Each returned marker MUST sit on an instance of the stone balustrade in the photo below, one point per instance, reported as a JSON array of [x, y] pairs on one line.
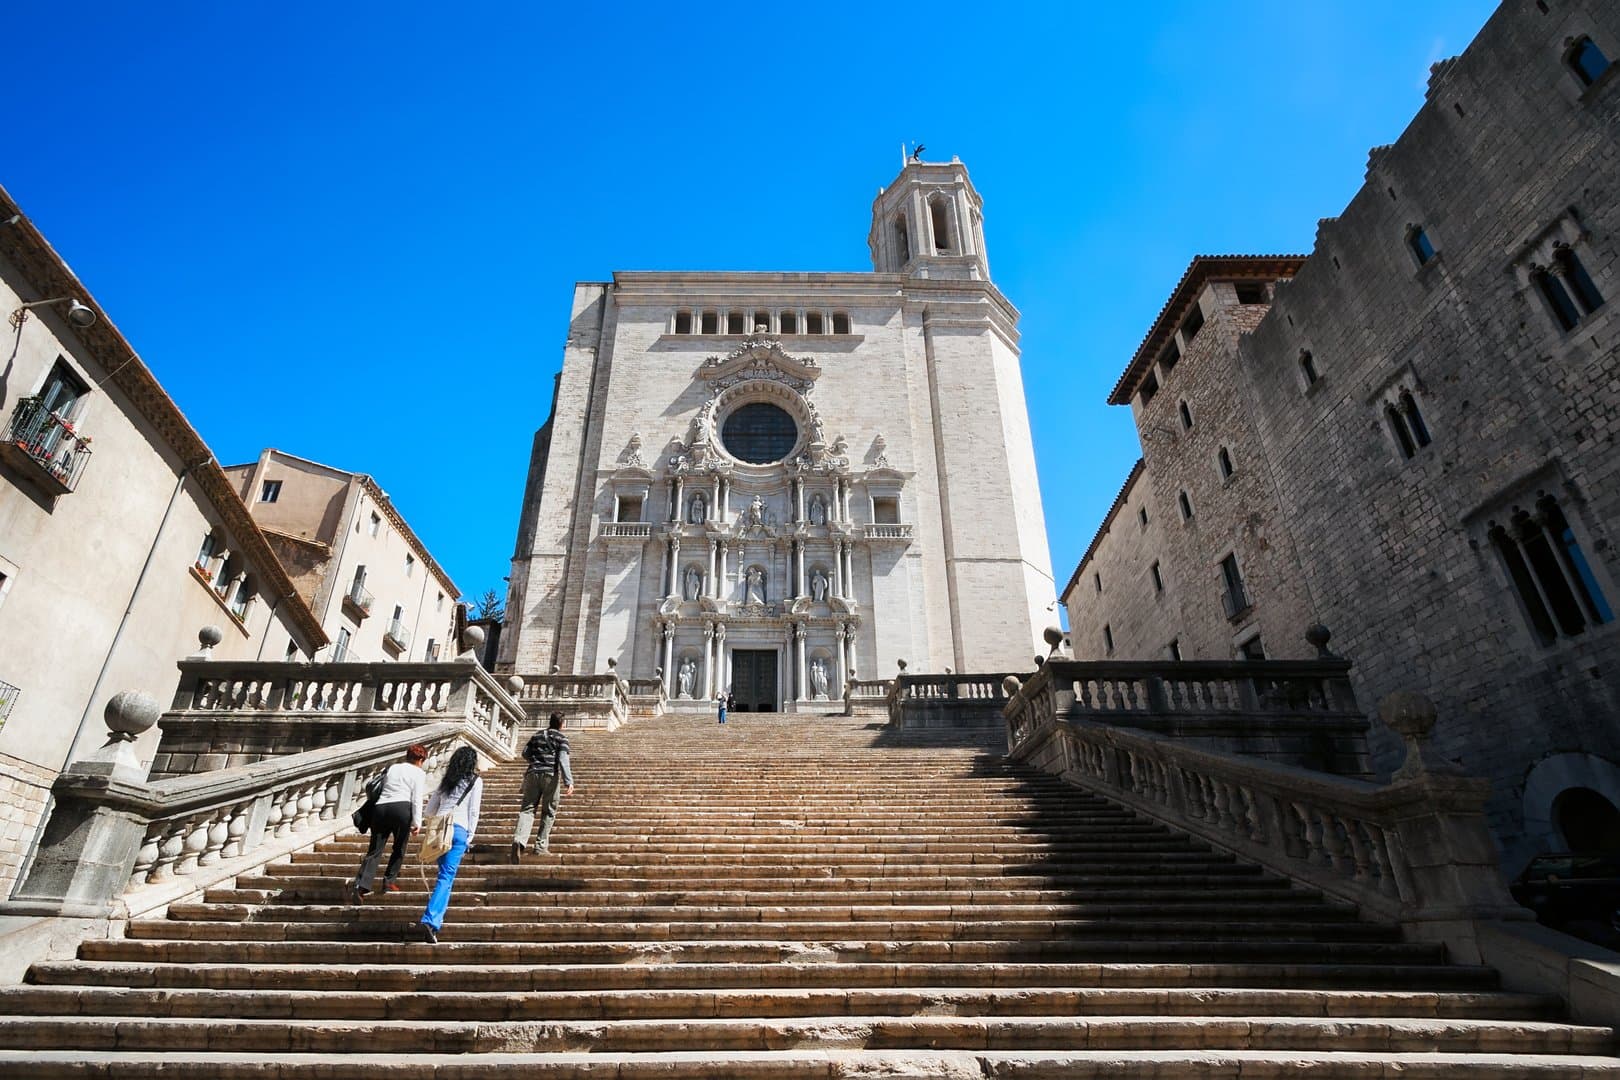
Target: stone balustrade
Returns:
[[626, 530], [874, 531], [585, 701], [949, 700], [648, 697], [1295, 712], [1416, 850], [872, 694], [228, 713]]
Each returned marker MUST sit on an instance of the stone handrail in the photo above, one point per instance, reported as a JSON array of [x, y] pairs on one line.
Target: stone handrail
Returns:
[[110, 833], [871, 692], [1416, 851], [887, 532], [950, 700], [436, 690], [1300, 712], [584, 700], [626, 530]]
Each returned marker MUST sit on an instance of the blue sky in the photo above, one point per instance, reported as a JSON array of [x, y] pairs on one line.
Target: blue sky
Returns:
[[351, 231]]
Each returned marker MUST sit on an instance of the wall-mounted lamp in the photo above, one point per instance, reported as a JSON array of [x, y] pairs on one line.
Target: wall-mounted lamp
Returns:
[[77, 313]]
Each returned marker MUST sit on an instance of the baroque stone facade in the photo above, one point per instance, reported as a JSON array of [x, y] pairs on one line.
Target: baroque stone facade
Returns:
[[1420, 423], [777, 482]]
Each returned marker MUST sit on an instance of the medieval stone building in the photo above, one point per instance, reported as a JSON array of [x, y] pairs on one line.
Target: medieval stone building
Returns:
[[1410, 436], [778, 482]]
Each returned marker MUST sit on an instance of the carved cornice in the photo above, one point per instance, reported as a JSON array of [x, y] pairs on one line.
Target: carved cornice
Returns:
[[760, 356]]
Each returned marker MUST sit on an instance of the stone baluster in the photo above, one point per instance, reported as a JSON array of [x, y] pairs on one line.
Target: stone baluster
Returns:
[[668, 630], [801, 684]]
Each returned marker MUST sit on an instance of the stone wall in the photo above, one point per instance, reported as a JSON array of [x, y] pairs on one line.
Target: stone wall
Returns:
[[1508, 157], [25, 789]]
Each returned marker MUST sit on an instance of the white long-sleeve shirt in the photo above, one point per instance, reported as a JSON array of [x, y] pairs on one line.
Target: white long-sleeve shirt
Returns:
[[466, 811], [404, 782]]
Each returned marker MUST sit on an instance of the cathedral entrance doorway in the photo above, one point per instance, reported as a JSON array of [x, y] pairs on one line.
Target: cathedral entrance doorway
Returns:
[[753, 680]]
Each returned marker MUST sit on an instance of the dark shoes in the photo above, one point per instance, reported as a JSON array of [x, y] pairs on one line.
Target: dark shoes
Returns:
[[517, 853], [430, 935], [357, 894]]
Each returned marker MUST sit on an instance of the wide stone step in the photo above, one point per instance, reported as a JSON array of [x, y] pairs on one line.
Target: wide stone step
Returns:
[[475, 945], [810, 971], [350, 1004], [565, 855], [609, 910], [819, 1065], [381, 1037]]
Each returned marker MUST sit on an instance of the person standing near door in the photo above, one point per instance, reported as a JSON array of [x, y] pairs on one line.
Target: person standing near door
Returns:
[[726, 702], [547, 754]]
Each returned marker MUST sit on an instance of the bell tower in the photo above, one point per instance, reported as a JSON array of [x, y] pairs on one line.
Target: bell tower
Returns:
[[929, 223]]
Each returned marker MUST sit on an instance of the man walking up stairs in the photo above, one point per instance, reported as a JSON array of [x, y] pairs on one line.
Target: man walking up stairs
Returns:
[[803, 898]]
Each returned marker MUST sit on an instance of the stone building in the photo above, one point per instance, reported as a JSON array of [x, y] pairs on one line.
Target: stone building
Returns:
[[368, 577], [1428, 408], [776, 482], [120, 536]]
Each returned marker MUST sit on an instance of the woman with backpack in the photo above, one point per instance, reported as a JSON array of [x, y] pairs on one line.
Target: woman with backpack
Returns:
[[458, 795], [396, 811]]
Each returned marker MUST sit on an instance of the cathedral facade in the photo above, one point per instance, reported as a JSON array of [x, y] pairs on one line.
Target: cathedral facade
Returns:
[[775, 483]]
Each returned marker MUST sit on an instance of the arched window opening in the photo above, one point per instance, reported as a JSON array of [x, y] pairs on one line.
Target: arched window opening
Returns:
[[1186, 417], [790, 322], [1418, 241], [1555, 585], [1586, 820], [1580, 282], [683, 322], [711, 322], [939, 217], [1414, 419], [1587, 61], [211, 546], [902, 241], [1186, 506], [1397, 428], [734, 323], [814, 323], [1558, 302], [1307, 367], [840, 323], [1224, 458], [246, 591], [762, 323]]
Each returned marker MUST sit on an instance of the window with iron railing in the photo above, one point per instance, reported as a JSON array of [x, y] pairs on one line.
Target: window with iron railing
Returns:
[[8, 701], [49, 442]]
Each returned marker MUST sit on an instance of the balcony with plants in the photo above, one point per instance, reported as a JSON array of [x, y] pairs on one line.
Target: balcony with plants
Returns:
[[44, 447]]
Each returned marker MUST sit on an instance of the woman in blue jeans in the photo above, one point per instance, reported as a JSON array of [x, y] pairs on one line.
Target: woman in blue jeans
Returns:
[[460, 793]]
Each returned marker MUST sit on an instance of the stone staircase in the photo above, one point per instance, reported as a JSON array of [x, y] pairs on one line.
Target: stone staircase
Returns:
[[788, 897]]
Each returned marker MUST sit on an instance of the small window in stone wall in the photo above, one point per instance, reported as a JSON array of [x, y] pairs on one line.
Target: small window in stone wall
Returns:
[[1547, 567], [1566, 288], [886, 511], [734, 323], [1108, 640], [629, 509], [840, 323], [1097, 578], [1171, 357], [1587, 61], [1307, 368], [814, 323], [1251, 292], [1251, 649], [1158, 578], [1141, 516], [1417, 240], [1404, 418], [1173, 650], [790, 322], [1186, 506], [1150, 386], [683, 322], [762, 322], [1193, 323], [1186, 417], [711, 322], [1224, 460]]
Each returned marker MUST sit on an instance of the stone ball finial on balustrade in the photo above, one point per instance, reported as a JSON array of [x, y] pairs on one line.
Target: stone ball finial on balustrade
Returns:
[[207, 638], [1053, 636], [612, 663], [1039, 660], [472, 638], [514, 685], [556, 669], [131, 713], [1011, 685], [901, 664], [1318, 636], [658, 672], [1411, 715]]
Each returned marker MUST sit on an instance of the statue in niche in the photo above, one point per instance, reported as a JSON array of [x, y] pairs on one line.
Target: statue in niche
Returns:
[[818, 585], [756, 511], [818, 678], [694, 583], [698, 509], [818, 509], [754, 586], [686, 677]]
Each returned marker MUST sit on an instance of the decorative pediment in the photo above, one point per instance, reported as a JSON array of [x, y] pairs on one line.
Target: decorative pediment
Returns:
[[760, 356]]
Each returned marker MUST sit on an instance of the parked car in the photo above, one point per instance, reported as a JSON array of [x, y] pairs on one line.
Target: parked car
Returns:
[[1576, 892]]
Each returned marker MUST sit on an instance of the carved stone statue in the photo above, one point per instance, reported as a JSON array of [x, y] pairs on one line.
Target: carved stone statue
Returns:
[[698, 509], [754, 586], [818, 586], [818, 509], [818, 433], [818, 678], [694, 583], [686, 677], [756, 511]]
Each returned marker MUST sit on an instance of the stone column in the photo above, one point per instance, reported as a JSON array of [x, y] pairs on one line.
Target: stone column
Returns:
[[714, 586], [798, 499], [804, 588], [674, 566], [721, 666], [669, 661], [714, 503], [838, 568], [722, 584], [803, 683], [675, 511], [836, 690], [706, 687], [663, 582], [723, 486], [849, 571]]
